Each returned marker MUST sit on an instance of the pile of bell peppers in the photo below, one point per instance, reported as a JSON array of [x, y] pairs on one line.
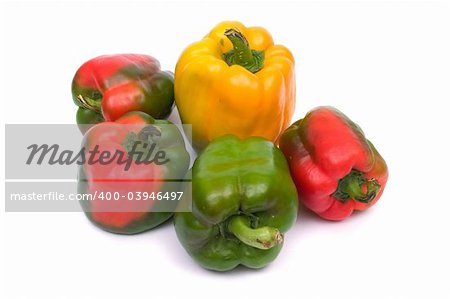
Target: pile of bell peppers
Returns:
[[236, 88]]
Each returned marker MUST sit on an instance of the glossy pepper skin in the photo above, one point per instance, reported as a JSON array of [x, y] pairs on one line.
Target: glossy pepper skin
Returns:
[[243, 200], [106, 87], [335, 168], [134, 216], [235, 81]]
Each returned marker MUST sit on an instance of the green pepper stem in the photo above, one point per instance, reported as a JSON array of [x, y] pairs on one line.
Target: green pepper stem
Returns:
[[88, 103], [241, 54], [262, 237], [351, 186]]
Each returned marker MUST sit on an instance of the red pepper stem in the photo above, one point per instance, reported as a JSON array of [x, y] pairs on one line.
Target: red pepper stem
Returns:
[[352, 186], [262, 237], [241, 54], [353, 189]]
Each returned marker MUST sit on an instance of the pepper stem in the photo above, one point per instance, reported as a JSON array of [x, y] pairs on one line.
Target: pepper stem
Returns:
[[262, 237], [351, 186], [241, 54], [89, 103]]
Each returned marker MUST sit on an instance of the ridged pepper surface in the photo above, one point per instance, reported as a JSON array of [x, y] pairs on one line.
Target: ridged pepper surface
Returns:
[[235, 81], [336, 169], [106, 87], [126, 199], [243, 201]]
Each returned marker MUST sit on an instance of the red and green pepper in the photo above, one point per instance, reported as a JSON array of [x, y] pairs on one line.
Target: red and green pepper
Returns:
[[336, 169], [106, 87], [108, 179]]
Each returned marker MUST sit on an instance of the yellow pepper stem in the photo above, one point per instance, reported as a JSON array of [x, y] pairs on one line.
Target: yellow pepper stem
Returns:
[[241, 54]]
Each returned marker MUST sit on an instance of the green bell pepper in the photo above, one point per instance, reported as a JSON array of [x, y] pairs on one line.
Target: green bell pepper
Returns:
[[243, 201]]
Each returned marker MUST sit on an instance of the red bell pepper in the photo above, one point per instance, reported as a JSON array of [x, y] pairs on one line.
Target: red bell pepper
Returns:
[[335, 168], [108, 86], [122, 186]]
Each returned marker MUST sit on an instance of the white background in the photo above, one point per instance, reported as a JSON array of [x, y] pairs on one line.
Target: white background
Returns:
[[384, 64]]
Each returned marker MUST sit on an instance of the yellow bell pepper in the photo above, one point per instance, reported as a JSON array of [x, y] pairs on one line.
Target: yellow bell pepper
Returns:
[[235, 81]]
